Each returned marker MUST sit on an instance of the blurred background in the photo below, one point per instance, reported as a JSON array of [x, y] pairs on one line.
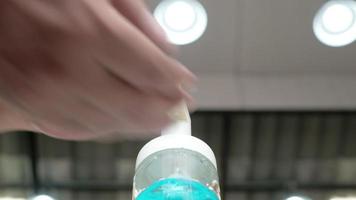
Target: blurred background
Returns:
[[277, 104]]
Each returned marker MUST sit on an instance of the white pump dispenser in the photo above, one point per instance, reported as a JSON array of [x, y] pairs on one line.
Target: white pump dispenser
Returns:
[[176, 165], [177, 135]]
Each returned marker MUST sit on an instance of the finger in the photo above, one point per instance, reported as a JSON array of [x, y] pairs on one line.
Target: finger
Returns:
[[164, 78], [137, 12], [115, 105], [133, 110], [133, 57]]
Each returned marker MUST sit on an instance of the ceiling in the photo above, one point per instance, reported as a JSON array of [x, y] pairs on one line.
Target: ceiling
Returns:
[[264, 55]]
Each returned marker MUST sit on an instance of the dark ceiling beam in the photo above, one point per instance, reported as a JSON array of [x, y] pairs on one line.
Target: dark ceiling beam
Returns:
[[225, 151]]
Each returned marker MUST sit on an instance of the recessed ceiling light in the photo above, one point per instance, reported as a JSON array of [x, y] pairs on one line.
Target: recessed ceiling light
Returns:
[[184, 21], [42, 197], [295, 198], [335, 23]]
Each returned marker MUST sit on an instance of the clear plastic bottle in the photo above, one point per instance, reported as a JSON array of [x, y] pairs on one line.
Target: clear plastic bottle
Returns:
[[176, 167]]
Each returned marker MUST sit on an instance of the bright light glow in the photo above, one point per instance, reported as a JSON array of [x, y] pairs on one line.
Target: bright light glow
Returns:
[[337, 18], [184, 21], [343, 198], [335, 23], [295, 198], [179, 16], [42, 197]]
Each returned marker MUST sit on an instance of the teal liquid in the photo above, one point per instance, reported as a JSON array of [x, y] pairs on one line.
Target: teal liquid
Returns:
[[177, 189]]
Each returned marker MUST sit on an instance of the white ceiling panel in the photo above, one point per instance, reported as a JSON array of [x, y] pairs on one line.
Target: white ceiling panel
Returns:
[[219, 91], [298, 91], [278, 35], [263, 55]]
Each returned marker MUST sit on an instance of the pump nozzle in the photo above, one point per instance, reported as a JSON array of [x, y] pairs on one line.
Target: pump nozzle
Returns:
[[181, 121], [177, 136]]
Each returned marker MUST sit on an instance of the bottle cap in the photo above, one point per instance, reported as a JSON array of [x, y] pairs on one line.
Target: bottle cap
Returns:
[[176, 141]]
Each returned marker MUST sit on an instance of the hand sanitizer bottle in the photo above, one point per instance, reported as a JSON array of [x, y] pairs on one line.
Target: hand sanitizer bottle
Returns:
[[176, 166]]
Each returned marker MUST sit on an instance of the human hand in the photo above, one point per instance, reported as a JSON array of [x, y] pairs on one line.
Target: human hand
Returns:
[[86, 68]]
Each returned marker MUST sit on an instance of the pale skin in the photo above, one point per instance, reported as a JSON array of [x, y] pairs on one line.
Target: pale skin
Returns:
[[85, 69]]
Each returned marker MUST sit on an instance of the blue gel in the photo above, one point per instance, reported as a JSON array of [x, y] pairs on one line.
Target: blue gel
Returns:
[[177, 189]]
